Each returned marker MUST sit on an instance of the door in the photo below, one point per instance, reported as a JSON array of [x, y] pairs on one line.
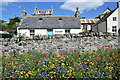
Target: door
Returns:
[[50, 32]]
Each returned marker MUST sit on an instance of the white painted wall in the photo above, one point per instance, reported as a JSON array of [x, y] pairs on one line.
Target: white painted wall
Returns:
[[110, 21], [76, 31], [119, 14], [23, 32], [40, 31], [58, 31], [44, 31], [89, 27]]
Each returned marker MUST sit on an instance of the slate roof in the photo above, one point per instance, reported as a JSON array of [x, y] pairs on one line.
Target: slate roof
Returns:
[[51, 22], [104, 18]]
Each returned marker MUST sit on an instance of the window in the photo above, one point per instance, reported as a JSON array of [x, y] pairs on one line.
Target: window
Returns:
[[114, 18], [49, 30], [67, 31], [58, 31], [60, 18], [114, 28], [40, 19], [32, 32]]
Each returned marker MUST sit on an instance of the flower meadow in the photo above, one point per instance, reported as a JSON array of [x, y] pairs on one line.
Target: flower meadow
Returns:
[[103, 63]]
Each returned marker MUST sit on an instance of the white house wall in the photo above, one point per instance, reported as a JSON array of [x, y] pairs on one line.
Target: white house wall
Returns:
[[119, 14], [58, 31], [110, 21], [89, 27], [23, 32], [76, 31], [45, 32], [40, 31]]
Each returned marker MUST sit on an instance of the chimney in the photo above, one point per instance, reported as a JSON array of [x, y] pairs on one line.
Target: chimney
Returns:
[[77, 13], [24, 13], [118, 4]]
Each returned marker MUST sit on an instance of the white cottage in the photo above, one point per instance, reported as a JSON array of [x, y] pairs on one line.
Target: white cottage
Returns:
[[109, 22], [41, 23]]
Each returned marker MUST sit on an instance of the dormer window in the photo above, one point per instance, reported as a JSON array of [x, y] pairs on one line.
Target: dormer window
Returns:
[[40, 19], [60, 18]]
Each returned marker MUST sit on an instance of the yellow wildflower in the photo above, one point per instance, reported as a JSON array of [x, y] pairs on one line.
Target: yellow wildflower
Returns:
[[27, 75], [51, 72], [54, 72], [63, 75]]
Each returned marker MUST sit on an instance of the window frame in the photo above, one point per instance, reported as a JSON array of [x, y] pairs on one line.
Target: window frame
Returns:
[[114, 18], [114, 28], [67, 30]]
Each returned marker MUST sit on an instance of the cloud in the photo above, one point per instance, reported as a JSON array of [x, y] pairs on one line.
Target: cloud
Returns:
[[83, 4], [3, 6], [17, 0]]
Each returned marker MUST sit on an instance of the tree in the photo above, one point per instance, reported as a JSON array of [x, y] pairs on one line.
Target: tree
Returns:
[[83, 17], [14, 20]]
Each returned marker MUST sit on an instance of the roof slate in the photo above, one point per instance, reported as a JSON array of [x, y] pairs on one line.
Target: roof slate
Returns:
[[51, 23]]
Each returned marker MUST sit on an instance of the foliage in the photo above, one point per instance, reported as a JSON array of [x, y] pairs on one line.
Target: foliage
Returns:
[[83, 17], [14, 20], [9, 27], [11, 24], [106, 33], [1, 21], [77, 64]]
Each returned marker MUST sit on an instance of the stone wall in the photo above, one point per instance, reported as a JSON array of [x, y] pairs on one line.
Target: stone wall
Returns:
[[59, 44]]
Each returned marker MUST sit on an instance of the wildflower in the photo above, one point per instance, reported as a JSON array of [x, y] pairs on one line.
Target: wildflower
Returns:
[[75, 50], [27, 75], [53, 56], [71, 50], [23, 50], [46, 77], [69, 67], [45, 56], [36, 62], [12, 62], [78, 64], [82, 51], [73, 61], [111, 58], [82, 59], [94, 50], [118, 52], [117, 58], [51, 72], [53, 66], [3, 51], [98, 58], [79, 55], [90, 45], [93, 61], [10, 54], [63, 75], [56, 73]]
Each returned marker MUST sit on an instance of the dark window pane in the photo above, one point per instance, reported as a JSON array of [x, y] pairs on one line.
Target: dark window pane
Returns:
[[60, 18], [40, 19], [114, 18]]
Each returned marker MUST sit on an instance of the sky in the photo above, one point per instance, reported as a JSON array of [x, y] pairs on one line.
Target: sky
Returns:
[[61, 8]]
